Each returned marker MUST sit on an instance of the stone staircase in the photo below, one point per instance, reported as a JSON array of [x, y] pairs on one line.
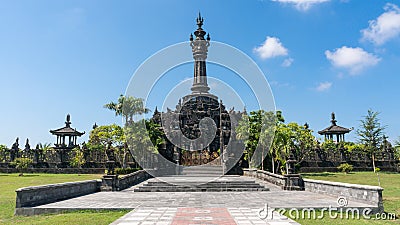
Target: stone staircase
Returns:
[[200, 184], [202, 171]]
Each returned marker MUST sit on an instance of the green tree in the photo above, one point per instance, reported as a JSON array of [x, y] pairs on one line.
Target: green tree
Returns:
[[127, 107], [269, 124], [22, 164], [370, 134], [44, 148], [78, 159], [281, 146], [290, 137], [107, 133], [397, 149], [276, 140], [114, 134], [248, 130], [353, 147], [117, 106], [139, 142], [3, 152], [257, 130], [155, 132], [303, 140]]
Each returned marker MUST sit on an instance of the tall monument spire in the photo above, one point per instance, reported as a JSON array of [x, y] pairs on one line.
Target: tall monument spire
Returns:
[[200, 48]]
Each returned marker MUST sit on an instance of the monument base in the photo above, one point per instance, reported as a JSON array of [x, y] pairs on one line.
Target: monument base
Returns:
[[109, 183], [293, 182]]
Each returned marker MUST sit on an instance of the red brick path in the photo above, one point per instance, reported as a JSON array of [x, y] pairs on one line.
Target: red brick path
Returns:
[[205, 216]]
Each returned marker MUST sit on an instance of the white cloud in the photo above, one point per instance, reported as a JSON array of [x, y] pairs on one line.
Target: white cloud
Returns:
[[353, 59], [324, 86], [302, 5], [287, 62], [385, 27], [279, 84], [272, 47]]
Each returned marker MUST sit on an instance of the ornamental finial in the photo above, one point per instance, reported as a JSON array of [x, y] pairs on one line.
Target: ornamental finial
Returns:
[[333, 121], [200, 20], [68, 122]]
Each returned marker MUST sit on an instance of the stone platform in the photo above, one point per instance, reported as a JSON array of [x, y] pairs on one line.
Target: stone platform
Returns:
[[200, 184], [198, 207]]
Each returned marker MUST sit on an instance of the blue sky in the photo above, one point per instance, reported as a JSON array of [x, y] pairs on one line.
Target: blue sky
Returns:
[[319, 56]]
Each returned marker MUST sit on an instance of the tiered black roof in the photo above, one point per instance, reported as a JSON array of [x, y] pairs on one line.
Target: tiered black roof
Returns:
[[67, 130], [334, 128]]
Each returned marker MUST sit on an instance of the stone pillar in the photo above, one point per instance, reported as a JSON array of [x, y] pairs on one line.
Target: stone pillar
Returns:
[[293, 181], [176, 158], [109, 183]]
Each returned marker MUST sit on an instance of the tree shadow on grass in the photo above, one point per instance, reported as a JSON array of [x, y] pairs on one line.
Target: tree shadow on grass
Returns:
[[30, 175], [319, 174]]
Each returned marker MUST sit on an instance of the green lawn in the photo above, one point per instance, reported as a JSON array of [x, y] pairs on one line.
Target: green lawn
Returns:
[[11, 182], [391, 195]]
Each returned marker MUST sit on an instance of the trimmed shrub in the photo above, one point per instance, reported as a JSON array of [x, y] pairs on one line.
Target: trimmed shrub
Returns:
[[22, 164], [345, 168]]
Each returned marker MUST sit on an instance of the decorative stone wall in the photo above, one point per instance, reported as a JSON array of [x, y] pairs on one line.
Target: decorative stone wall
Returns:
[[361, 193], [132, 179], [265, 175], [56, 170], [44, 194], [364, 193], [29, 197], [358, 165]]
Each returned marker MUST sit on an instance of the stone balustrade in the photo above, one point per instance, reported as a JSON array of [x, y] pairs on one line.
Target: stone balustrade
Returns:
[[132, 179], [44, 194], [361, 193]]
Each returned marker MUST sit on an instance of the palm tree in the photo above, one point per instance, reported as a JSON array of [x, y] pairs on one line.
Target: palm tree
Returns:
[[127, 107], [44, 148], [117, 106]]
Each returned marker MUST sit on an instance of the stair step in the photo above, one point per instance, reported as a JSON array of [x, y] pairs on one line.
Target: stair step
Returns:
[[198, 189], [200, 184]]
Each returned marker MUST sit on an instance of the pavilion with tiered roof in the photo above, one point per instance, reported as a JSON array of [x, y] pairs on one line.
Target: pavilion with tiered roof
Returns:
[[68, 133], [334, 130]]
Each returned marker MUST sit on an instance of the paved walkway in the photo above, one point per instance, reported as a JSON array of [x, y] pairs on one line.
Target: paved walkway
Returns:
[[186, 216], [201, 207]]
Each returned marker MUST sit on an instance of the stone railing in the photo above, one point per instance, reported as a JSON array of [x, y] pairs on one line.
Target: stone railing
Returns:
[[56, 170], [132, 179], [116, 183], [265, 175], [44, 194], [362, 193]]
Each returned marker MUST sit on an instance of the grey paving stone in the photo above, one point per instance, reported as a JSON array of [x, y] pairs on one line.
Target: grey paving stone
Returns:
[[160, 206]]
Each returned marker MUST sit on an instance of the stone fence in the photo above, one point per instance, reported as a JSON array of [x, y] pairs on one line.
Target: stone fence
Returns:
[[29, 197], [38, 195], [56, 170], [132, 179], [265, 175], [361, 193]]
